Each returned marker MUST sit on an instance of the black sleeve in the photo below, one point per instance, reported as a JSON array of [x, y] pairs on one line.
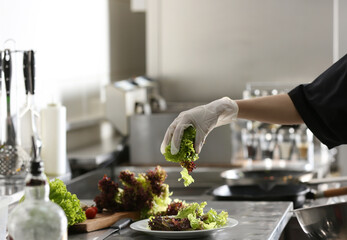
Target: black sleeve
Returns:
[[322, 104]]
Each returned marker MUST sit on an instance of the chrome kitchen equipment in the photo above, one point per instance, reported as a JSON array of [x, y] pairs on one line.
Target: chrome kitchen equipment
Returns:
[[29, 115], [298, 194], [324, 222], [14, 160], [269, 178], [269, 144], [156, 101], [10, 131], [9, 160], [147, 132], [265, 178], [124, 99]]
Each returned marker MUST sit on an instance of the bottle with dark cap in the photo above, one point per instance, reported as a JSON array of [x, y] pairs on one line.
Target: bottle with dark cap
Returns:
[[37, 217]]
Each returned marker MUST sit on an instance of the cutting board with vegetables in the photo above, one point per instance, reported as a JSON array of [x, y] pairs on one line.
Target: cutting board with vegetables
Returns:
[[102, 220]]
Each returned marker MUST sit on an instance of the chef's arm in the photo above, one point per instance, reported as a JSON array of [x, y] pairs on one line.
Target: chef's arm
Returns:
[[277, 109]]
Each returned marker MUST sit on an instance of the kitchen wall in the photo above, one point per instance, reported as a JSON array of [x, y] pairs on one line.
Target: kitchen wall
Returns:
[[342, 19], [80, 46], [342, 15], [202, 50], [71, 40], [127, 40], [199, 50]]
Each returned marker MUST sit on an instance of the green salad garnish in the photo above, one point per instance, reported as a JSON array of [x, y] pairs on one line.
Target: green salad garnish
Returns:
[[189, 217], [188, 179], [67, 201], [185, 156]]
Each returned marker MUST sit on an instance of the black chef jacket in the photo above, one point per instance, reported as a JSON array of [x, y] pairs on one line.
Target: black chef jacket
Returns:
[[322, 104]]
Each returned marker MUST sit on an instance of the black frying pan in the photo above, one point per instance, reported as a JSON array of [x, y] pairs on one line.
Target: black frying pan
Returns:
[[266, 178], [295, 193], [269, 178]]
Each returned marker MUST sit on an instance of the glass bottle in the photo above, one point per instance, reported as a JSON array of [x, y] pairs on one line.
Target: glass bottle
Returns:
[[286, 142], [37, 218]]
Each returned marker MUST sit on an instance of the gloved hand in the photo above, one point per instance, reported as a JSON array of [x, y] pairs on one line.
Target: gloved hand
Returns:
[[203, 118]]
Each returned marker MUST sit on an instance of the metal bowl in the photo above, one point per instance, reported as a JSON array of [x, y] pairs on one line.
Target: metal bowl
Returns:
[[324, 222]]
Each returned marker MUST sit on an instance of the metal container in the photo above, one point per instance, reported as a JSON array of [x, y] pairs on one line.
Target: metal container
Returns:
[[324, 222], [147, 132]]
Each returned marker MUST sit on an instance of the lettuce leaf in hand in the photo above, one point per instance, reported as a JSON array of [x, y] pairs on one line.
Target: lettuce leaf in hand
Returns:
[[185, 156]]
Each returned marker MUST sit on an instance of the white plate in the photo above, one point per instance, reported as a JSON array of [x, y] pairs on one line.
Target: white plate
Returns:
[[142, 226]]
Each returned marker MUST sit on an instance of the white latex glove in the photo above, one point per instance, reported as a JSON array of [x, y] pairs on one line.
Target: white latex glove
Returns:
[[203, 118]]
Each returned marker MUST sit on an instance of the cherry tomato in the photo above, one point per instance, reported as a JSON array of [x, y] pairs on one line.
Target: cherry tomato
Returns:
[[96, 209], [91, 213]]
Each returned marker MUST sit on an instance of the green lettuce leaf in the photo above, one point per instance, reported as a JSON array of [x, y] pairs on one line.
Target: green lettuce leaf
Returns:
[[195, 213], [197, 224], [192, 208], [187, 151], [185, 156], [160, 203], [67, 201], [187, 179], [222, 219]]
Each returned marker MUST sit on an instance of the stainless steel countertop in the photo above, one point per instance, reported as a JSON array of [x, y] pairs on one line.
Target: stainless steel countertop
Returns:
[[257, 221], [92, 156]]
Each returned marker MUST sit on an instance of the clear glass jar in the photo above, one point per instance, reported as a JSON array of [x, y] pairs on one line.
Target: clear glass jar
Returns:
[[37, 218]]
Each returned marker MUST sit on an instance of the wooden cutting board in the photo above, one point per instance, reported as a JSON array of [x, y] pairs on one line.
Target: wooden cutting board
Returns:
[[102, 220]]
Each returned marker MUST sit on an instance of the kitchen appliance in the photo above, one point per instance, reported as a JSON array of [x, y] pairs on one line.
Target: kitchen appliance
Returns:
[[147, 132], [124, 99], [293, 185], [272, 145], [156, 101], [298, 194], [266, 178], [325, 221]]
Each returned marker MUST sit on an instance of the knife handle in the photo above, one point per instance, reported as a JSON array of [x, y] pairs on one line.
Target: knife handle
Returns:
[[122, 223], [26, 71], [119, 225], [31, 71], [7, 70], [0, 68]]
